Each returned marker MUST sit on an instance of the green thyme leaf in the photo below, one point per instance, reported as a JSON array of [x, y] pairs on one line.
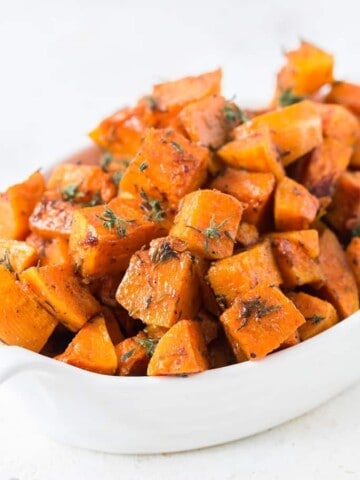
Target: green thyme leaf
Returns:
[[117, 176], [234, 114], [112, 221], [212, 232], [143, 166], [127, 355], [315, 319], [71, 192], [5, 260], [152, 207], [177, 147], [106, 160], [355, 232], [149, 344], [256, 308], [163, 253], [287, 97]]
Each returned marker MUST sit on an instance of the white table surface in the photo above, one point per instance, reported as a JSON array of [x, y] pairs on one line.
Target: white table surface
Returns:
[[63, 65]]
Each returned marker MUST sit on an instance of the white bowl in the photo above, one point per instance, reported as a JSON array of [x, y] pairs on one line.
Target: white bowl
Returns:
[[153, 415]]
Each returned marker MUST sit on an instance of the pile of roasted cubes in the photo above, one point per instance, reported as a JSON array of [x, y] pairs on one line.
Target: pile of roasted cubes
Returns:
[[195, 234]]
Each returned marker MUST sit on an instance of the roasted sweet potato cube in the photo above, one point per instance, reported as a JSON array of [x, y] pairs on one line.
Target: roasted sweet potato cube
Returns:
[[103, 238], [346, 94], [112, 325], [308, 68], [160, 286], [252, 189], [174, 95], [61, 292], [296, 254], [166, 167], [339, 287], [122, 132], [181, 351], [207, 294], [16, 255], [295, 208], [338, 123], [259, 321], [205, 121], [253, 149], [344, 210], [232, 276], [294, 339], [82, 184], [52, 217], [247, 234], [319, 314], [324, 167], [295, 130], [207, 221], [353, 257], [133, 358], [91, 349], [23, 321], [55, 252], [17, 204]]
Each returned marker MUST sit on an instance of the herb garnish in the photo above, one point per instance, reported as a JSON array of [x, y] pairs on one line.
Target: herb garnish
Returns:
[[149, 344], [152, 207], [95, 200], [71, 192], [287, 97], [111, 220], [255, 307], [213, 231], [163, 253], [5, 260], [355, 232], [117, 176], [233, 114], [143, 166], [315, 319], [151, 102], [105, 161], [127, 355], [177, 147]]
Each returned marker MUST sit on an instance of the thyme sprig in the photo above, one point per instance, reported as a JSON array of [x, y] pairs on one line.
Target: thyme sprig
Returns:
[[213, 231], [71, 193], [149, 344], [315, 319], [288, 97], [5, 260], [112, 221], [257, 308], [233, 114], [163, 253], [152, 207]]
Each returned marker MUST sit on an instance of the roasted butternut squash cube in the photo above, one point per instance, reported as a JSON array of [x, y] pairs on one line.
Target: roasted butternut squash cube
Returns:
[[307, 69], [319, 314], [166, 167], [16, 255], [339, 286], [174, 95], [353, 257], [160, 287], [181, 351], [344, 210], [294, 339], [91, 349], [232, 276], [61, 292], [52, 217], [133, 358], [295, 208], [103, 238], [338, 123], [122, 132], [16, 206], [345, 94], [207, 221], [253, 149], [296, 254], [295, 129], [205, 121], [325, 165], [23, 321], [82, 184], [247, 234], [253, 190], [259, 321]]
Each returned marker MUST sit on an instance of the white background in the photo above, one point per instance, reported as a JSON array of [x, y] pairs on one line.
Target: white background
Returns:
[[63, 65]]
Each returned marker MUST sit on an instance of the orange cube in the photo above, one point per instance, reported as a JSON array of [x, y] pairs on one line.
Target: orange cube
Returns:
[[253, 190], [295, 208], [166, 167], [338, 123], [103, 238], [181, 351], [207, 221], [259, 321], [92, 349], [346, 94], [16, 255], [160, 286], [17, 204], [133, 358], [253, 149], [295, 130], [232, 276]]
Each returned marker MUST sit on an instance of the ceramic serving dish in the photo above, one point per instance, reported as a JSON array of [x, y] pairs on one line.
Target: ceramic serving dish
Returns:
[[152, 415]]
